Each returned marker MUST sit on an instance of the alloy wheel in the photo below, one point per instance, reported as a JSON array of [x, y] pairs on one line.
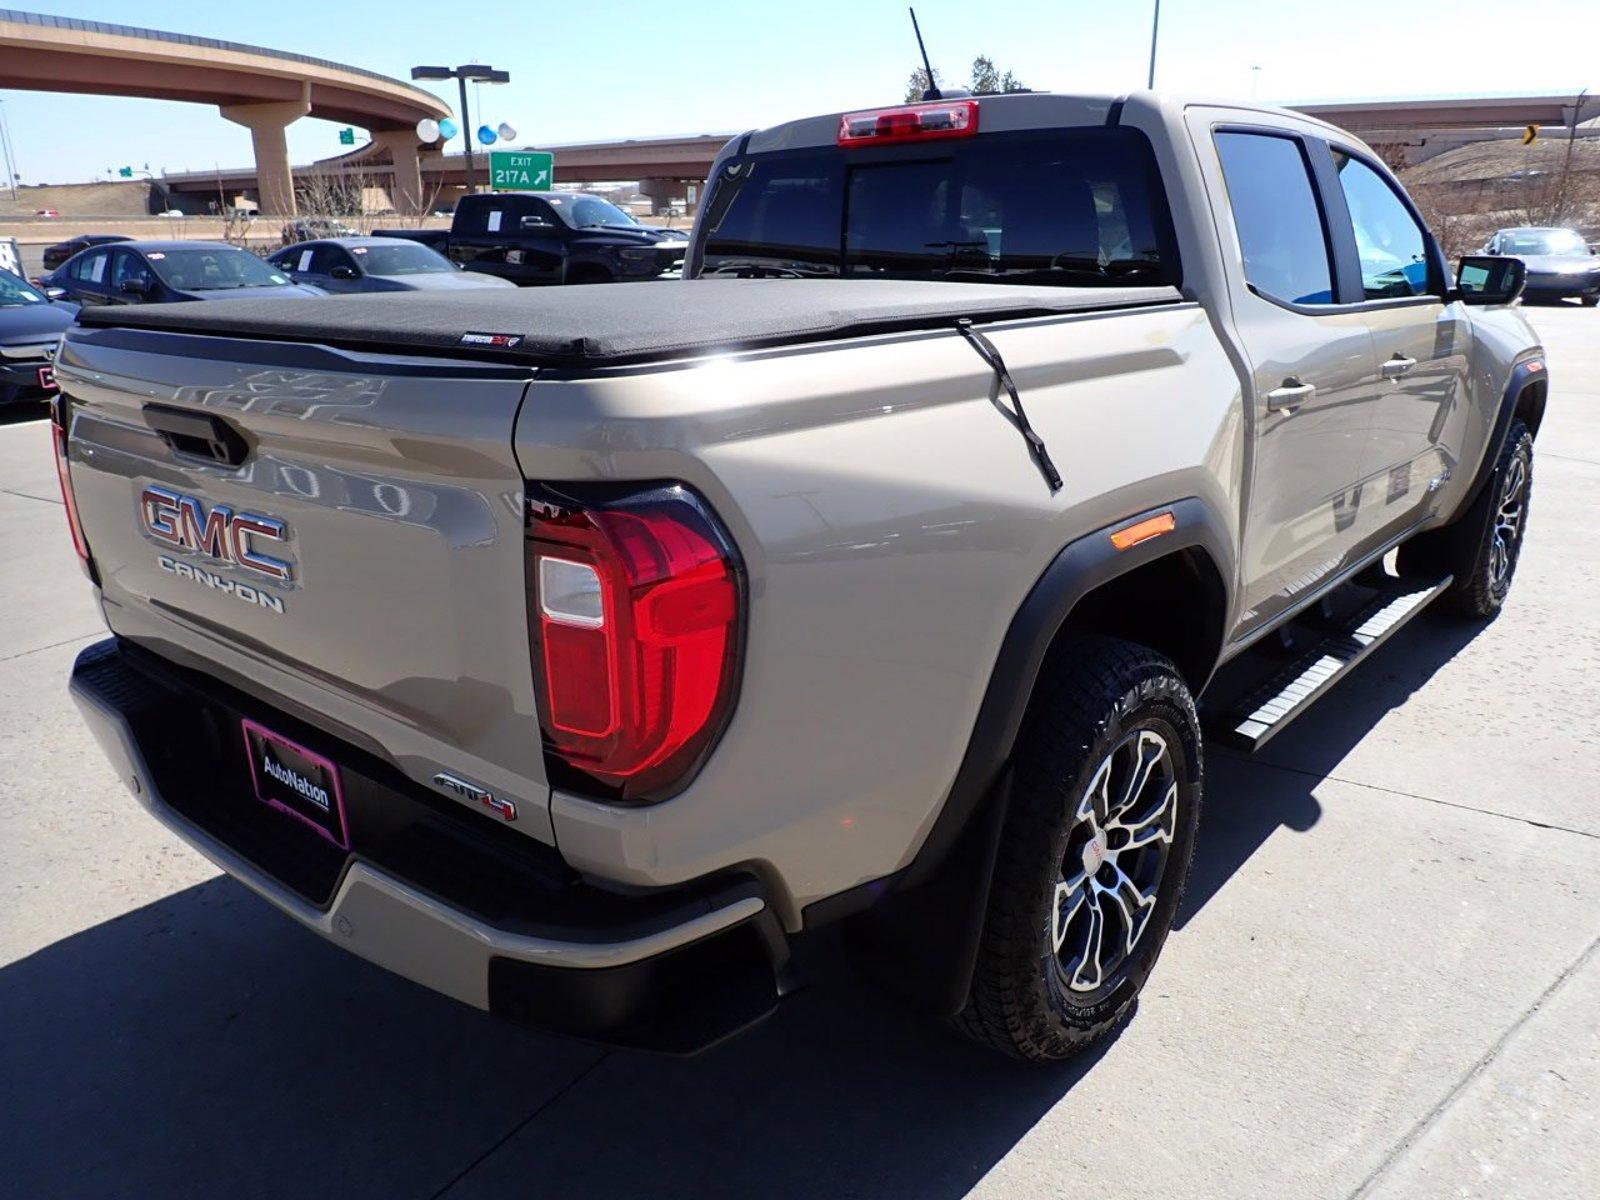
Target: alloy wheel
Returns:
[[1116, 856], [1508, 522]]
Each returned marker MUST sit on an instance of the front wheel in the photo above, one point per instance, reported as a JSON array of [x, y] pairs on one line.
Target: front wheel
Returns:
[[1094, 854], [1483, 548]]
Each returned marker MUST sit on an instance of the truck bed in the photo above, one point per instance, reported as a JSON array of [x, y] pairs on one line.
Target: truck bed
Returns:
[[622, 323]]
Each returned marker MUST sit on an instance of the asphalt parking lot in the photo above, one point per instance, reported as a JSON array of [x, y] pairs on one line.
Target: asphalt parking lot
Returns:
[[1386, 981]]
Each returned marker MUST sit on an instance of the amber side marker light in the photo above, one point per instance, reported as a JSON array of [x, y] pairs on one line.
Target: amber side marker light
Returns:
[[1143, 531]]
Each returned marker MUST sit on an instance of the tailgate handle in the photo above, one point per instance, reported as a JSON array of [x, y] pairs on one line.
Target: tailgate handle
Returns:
[[199, 435]]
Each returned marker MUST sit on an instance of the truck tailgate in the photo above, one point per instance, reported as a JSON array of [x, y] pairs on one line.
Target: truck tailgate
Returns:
[[339, 531]]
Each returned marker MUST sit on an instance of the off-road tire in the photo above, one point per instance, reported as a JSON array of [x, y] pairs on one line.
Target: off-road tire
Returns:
[[1094, 693], [1465, 548]]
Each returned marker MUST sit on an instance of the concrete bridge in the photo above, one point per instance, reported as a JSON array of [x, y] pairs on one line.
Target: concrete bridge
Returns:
[[263, 90]]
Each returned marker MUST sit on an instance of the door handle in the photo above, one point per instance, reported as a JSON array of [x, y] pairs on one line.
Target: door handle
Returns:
[[1290, 396], [1398, 366]]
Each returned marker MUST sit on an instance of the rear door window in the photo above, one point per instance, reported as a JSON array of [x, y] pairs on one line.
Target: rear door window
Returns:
[[1278, 217]]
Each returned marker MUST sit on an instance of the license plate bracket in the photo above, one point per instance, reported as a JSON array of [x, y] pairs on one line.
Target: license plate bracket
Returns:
[[296, 781]]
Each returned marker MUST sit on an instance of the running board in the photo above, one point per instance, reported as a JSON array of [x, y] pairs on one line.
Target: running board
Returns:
[[1259, 714]]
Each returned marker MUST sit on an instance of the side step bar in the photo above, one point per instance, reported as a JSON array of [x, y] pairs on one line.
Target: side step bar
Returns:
[[1258, 715]]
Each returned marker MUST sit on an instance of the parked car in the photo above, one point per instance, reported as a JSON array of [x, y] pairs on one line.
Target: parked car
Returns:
[[1561, 265], [164, 272], [376, 265], [55, 255], [30, 327], [308, 229], [549, 237], [574, 653]]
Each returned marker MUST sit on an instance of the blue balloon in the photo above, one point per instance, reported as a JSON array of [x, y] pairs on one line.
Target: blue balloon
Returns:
[[486, 136], [448, 129]]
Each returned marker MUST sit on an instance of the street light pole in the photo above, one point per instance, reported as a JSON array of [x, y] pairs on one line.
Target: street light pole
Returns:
[[466, 130], [475, 73]]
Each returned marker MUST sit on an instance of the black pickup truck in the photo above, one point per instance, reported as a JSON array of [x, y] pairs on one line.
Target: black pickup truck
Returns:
[[551, 237]]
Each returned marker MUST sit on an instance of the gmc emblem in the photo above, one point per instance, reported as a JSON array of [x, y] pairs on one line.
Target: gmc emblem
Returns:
[[220, 534]]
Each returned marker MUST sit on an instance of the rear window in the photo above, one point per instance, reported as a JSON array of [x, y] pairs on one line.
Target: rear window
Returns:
[[1070, 207]]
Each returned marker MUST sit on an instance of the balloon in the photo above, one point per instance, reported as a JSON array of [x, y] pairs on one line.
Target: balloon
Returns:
[[486, 135], [506, 132], [427, 130], [448, 129]]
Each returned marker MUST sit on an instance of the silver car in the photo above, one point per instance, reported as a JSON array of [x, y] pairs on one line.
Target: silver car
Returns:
[[1560, 264], [372, 264]]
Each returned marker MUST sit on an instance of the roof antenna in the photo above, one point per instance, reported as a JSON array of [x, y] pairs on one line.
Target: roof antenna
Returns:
[[932, 90]]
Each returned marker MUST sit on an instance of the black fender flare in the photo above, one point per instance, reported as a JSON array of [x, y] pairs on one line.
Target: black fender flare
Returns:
[[917, 931], [1529, 370]]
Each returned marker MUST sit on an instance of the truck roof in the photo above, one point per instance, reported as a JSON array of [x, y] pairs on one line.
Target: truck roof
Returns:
[[623, 322]]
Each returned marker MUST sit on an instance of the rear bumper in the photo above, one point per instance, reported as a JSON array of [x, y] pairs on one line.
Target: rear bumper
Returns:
[[479, 916]]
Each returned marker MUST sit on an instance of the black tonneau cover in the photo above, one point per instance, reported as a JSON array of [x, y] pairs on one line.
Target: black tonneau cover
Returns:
[[619, 323]]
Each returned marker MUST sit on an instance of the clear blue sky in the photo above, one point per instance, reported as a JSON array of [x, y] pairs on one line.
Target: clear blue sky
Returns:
[[612, 68]]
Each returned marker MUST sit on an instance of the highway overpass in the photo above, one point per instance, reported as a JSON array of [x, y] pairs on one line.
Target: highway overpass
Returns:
[[1414, 128], [263, 90]]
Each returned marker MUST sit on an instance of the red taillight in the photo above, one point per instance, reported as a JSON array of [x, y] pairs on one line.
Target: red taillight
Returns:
[[635, 607], [58, 439], [909, 123]]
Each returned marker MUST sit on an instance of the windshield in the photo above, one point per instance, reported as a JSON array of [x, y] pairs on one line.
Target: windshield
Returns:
[[1542, 241], [586, 211], [15, 292], [402, 258], [1077, 208], [213, 268]]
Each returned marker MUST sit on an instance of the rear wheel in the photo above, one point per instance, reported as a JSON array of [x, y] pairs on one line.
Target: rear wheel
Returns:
[[1095, 852]]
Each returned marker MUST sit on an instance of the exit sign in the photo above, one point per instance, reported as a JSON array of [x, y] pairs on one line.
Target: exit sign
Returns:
[[347, 137], [521, 170]]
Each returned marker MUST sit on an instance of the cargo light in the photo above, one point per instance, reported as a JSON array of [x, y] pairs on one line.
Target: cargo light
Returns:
[[636, 613], [909, 123], [59, 425]]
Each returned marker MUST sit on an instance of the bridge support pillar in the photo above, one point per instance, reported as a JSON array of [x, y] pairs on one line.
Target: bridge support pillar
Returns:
[[406, 191], [266, 123]]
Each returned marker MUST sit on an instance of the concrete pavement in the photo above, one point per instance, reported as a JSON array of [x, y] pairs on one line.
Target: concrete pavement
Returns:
[[1386, 981]]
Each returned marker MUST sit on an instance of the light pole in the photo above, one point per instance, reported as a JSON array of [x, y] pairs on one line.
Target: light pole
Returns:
[[477, 73], [10, 157]]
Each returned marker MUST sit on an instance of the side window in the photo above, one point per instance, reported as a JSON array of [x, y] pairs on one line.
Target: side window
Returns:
[[1391, 245], [91, 268], [129, 266], [330, 257], [1277, 215]]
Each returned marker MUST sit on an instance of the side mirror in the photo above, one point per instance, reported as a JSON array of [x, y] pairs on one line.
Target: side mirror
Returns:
[[134, 287], [343, 273], [1490, 279], [55, 293], [536, 223]]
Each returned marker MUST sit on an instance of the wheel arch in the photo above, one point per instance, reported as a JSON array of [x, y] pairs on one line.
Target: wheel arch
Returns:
[[918, 933]]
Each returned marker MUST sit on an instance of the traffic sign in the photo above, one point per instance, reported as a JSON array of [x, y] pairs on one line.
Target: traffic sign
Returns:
[[125, 172], [521, 170], [347, 136]]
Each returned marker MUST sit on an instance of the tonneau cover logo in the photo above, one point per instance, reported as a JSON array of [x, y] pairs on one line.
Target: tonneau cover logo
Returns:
[[497, 341]]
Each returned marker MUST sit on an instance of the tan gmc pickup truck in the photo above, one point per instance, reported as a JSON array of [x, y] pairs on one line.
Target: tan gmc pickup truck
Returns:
[[575, 652]]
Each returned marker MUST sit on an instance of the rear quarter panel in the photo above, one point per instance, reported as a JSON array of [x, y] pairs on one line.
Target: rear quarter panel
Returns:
[[892, 522]]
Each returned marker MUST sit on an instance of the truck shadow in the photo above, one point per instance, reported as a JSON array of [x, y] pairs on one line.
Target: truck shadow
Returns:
[[206, 1045]]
